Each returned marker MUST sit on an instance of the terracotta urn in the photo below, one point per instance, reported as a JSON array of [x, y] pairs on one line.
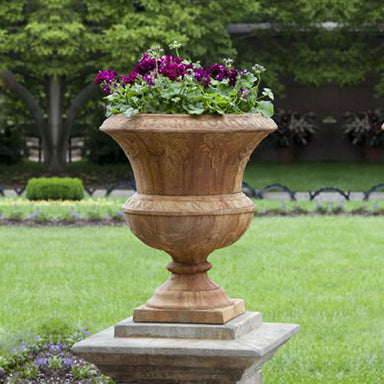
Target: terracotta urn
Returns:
[[188, 172]]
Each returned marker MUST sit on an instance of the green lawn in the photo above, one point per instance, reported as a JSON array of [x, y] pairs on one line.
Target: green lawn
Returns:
[[304, 176], [299, 176], [324, 273]]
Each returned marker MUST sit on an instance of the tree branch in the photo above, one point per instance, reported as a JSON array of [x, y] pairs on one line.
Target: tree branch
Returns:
[[76, 106], [10, 81]]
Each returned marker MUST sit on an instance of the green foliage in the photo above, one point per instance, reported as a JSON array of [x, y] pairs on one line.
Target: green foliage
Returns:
[[294, 128], [316, 42], [364, 128], [99, 148], [188, 96], [13, 127], [55, 188]]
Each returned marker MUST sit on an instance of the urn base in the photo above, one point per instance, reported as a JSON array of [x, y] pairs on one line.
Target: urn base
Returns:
[[145, 313]]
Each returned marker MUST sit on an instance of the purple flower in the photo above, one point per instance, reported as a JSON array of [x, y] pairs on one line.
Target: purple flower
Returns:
[[145, 65], [87, 333], [34, 214], [130, 79], [42, 361], [120, 213], [173, 67], [202, 77], [107, 76], [67, 361], [243, 93], [233, 77], [76, 215], [219, 72], [107, 90], [148, 79]]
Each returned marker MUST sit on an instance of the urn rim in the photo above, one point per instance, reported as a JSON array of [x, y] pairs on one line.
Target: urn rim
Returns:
[[208, 123]]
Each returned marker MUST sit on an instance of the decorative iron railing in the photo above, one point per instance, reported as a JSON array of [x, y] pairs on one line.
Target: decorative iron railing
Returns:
[[247, 189]]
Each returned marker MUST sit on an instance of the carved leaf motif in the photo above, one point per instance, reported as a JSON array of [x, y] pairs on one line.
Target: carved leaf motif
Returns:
[[245, 153], [171, 152], [217, 147], [131, 147]]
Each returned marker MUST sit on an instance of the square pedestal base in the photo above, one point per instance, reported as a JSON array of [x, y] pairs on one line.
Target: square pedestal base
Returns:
[[143, 356], [209, 316]]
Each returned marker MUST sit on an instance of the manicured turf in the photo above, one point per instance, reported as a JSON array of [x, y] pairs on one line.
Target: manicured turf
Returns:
[[304, 176], [324, 273], [299, 176]]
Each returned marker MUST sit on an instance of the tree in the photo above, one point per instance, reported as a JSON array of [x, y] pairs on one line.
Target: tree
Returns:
[[339, 41], [51, 49]]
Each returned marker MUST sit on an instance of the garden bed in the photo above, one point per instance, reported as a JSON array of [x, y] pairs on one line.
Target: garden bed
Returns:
[[49, 360]]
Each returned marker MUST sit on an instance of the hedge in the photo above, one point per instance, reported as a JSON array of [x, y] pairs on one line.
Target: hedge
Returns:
[[55, 188]]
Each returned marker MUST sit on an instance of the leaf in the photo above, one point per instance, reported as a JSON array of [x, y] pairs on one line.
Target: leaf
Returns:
[[267, 92], [129, 112], [195, 108], [265, 108]]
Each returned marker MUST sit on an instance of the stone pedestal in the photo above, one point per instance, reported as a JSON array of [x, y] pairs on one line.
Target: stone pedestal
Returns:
[[164, 353]]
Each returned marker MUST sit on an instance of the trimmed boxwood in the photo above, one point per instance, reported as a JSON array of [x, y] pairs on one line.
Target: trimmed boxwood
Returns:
[[55, 188]]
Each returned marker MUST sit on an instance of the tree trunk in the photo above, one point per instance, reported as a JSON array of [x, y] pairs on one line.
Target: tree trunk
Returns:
[[33, 105], [54, 131], [55, 159]]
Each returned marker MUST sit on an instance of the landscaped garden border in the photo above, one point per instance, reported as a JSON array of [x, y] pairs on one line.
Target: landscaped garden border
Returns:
[[107, 211]]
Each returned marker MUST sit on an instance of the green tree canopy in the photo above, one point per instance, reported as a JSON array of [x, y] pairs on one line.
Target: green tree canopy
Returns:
[[337, 41], [50, 50]]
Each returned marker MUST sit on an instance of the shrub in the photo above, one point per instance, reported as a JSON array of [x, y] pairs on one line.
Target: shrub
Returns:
[[364, 128], [294, 128], [55, 188]]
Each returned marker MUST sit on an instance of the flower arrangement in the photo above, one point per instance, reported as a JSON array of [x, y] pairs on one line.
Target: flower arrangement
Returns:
[[294, 128], [364, 128], [170, 84]]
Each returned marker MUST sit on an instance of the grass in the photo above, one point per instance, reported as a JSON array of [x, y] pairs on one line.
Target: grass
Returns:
[[299, 176], [324, 273], [304, 176]]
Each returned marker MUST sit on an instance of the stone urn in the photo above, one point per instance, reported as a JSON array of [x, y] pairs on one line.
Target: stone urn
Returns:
[[188, 172]]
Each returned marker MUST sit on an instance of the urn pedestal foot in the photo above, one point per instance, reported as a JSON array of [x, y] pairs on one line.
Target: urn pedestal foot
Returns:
[[161, 353], [145, 313]]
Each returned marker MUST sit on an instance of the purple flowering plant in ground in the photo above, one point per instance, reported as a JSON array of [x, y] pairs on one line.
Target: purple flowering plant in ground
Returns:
[[49, 360], [170, 84]]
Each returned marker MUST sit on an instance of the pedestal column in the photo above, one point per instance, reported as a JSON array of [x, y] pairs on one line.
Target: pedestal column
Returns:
[[163, 353]]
